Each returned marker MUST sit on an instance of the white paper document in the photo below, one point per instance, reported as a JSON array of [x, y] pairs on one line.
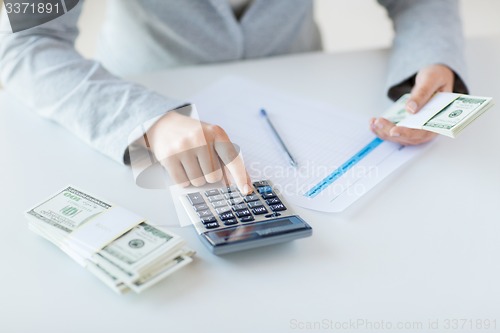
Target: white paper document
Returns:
[[339, 158]]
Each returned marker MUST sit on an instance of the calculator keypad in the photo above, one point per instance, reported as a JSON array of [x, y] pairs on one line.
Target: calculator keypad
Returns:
[[247, 219], [243, 213], [219, 203], [268, 195], [209, 219], [239, 207], [212, 225], [273, 201], [204, 213], [218, 197], [200, 207], [222, 210], [278, 207], [251, 197], [254, 204], [228, 207], [259, 210], [229, 189], [235, 201], [226, 216], [209, 193], [195, 198]]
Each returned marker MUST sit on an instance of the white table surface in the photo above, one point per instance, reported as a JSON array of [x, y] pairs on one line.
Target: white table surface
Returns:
[[423, 245]]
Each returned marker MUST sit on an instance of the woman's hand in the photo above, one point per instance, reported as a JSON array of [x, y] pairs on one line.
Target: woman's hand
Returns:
[[193, 151], [430, 80]]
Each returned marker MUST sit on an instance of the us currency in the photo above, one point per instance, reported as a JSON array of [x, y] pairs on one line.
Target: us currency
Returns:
[[138, 251], [450, 120], [145, 281], [136, 260], [458, 115]]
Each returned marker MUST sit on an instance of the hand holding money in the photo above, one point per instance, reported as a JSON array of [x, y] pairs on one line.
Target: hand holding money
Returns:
[[445, 114], [138, 255]]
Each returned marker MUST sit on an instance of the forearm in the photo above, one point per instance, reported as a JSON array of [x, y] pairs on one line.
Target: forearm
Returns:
[[428, 32], [42, 69]]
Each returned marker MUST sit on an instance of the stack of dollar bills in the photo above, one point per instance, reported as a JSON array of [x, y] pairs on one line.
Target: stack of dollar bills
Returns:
[[136, 258], [446, 113]]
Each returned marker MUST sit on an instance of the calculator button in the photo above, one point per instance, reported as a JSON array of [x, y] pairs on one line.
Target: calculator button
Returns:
[[195, 198], [273, 201], [212, 225], [273, 215], [229, 189], [261, 183], [222, 210], [264, 189], [200, 207], [277, 207], [247, 218], [204, 213], [243, 212], [254, 204], [226, 216], [259, 210], [235, 201], [251, 197], [268, 195], [218, 204], [239, 207], [250, 192], [231, 222], [209, 193], [231, 195], [217, 197], [209, 219]]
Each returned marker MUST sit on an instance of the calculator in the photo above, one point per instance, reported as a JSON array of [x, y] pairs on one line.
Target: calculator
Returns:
[[228, 221]]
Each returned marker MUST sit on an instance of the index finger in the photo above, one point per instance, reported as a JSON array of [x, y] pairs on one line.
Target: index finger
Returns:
[[232, 158]]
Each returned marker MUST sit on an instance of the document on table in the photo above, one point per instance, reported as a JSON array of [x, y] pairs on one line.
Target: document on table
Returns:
[[339, 159]]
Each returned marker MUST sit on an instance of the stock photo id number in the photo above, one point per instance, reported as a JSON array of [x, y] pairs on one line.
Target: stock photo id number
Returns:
[[25, 15]]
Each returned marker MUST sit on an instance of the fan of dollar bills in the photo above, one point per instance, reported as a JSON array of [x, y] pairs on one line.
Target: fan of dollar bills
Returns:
[[135, 259], [446, 113]]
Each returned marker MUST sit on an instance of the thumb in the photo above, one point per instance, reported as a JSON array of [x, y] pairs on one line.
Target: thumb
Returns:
[[424, 89], [428, 81]]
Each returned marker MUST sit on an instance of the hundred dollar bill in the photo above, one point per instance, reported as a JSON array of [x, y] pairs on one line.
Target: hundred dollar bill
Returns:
[[107, 278], [458, 115], [447, 119], [397, 112], [146, 280], [135, 252], [68, 210], [131, 261]]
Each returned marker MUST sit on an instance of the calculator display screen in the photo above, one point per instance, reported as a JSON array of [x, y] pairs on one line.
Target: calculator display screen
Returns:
[[255, 231]]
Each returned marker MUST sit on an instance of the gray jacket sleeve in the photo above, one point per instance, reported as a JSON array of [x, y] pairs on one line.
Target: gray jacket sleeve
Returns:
[[42, 69], [427, 32]]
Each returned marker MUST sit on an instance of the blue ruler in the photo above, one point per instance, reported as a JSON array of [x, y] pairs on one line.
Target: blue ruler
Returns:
[[328, 180]]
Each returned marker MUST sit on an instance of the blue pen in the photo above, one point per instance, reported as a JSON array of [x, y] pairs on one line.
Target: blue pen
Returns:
[[291, 160]]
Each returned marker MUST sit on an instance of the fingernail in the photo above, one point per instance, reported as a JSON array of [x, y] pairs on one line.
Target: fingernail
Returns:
[[246, 189], [393, 133], [378, 124], [411, 106]]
